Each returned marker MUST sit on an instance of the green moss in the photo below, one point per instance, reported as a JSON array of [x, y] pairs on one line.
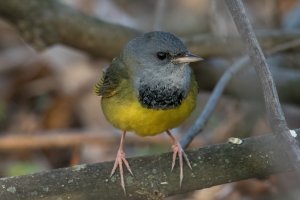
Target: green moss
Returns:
[[21, 168]]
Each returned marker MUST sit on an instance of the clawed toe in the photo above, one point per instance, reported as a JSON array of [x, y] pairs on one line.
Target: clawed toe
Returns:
[[120, 159], [177, 150]]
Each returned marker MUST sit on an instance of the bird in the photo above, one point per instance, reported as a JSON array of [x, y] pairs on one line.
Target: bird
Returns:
[[149, 89]]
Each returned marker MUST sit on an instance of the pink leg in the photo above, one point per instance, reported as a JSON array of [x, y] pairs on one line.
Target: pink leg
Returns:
[[119, 162], [177, 150]]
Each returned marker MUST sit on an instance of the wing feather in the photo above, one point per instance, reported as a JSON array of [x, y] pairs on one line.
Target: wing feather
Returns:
[[109, 83]]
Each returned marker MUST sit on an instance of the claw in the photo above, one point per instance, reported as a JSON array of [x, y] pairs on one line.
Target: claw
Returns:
[[120, 159], [177, 150]]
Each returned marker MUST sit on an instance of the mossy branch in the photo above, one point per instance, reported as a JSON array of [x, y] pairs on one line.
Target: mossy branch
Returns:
[[256, 157]]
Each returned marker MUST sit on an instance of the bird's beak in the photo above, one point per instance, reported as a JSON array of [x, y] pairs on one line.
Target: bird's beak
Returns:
[[187, 58]]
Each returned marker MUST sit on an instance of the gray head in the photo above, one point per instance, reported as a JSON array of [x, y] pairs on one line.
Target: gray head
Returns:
[[157, 50], [158, 63]]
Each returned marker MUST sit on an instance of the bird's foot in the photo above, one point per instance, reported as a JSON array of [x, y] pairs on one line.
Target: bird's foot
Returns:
[[120, 159], [177, 150]]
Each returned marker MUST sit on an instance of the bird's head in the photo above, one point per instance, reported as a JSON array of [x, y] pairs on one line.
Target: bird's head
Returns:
[[158, 51]]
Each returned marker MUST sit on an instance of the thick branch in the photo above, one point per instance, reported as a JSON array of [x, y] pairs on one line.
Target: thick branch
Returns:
[[273, 107], [212, 165], [48, 22]]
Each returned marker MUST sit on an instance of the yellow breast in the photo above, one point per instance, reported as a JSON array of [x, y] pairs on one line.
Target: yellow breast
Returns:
[[126, 113]]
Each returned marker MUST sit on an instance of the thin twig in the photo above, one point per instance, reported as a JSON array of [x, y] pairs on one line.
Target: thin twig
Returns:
[[283, 47], [212, 101], [273, 107], [219, 89], [159, 14]]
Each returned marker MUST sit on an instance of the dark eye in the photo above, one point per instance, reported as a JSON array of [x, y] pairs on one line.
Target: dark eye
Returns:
[[161, 55]]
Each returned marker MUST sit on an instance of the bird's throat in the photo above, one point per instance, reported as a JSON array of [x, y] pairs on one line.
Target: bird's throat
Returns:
[[164, 88], [161, 97]]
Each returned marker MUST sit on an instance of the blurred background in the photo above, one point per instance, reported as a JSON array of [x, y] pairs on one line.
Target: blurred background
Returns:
[[50, 92]]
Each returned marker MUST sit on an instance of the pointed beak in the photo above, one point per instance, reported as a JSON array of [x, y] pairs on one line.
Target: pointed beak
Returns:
[[187, 58]]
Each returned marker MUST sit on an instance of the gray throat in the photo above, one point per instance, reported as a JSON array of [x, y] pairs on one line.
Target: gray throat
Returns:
[[161, 90]]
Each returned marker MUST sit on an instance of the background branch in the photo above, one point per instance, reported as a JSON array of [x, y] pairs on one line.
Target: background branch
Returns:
[[160, 9], [13, 141], [48, 22], [214, 98], [212, 165], [218, 90], [273, 107], [208, 45], [246, 85]]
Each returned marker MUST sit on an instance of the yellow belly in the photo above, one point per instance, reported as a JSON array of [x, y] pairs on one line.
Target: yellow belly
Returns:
[[126, 113]]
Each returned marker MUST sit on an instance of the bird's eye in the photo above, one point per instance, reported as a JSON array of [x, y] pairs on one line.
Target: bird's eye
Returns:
[[161, 55]]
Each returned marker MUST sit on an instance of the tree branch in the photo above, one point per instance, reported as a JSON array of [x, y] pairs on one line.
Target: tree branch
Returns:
[[13, 141], [212, 165], [273, 107], [214, 98], [48, 22], [246, 85], [212, 102], [208, 45]]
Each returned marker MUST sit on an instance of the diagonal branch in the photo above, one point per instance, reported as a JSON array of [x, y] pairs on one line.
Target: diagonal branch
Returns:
[[273, 107], [231, 72], [214, 98], [48, 22], [213, 165]]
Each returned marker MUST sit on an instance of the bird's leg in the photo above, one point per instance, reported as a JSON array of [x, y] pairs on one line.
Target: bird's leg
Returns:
[[177, 150], [119, 162]]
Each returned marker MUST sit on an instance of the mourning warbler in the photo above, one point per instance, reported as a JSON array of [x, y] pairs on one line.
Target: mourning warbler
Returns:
[[149, 89]]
